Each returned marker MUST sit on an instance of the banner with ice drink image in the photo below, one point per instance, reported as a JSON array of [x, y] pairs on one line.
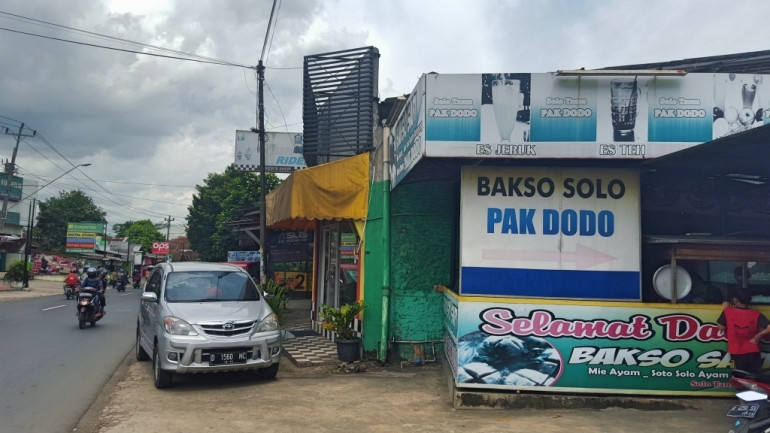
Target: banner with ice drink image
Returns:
[[741, 102]]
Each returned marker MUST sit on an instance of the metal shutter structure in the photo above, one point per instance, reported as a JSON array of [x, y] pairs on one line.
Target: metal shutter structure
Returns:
[[339, 104]]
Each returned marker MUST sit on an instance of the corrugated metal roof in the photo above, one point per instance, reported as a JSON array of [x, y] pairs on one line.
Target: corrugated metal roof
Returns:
[[753, 62]]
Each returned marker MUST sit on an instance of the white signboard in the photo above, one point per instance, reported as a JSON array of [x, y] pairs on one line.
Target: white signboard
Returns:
[[407, 137], [283, 151], [550, 233]]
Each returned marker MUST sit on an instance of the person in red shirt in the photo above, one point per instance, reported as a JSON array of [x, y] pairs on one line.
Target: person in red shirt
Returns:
[[72, 278], [744, 328]]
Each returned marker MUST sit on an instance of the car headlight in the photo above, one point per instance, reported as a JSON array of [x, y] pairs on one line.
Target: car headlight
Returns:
[[269, 323], [177, 326]]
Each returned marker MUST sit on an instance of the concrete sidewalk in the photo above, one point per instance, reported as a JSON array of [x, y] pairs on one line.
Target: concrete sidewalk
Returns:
[[415, 399], [36, 288]]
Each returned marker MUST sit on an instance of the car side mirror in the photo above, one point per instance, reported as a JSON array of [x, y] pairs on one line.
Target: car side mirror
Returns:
[[149, 297]]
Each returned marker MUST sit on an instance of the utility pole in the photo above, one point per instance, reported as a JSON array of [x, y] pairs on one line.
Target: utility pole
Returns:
[[168, 236], [10, 169], [262, 183], [28, 245]]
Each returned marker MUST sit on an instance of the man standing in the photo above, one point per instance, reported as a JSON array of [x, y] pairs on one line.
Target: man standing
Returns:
[[744, 328]]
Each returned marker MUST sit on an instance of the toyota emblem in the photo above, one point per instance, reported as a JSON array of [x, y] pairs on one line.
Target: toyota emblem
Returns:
[[228, 326]]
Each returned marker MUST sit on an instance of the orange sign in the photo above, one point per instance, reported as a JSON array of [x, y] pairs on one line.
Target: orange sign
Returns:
[[295, 281]]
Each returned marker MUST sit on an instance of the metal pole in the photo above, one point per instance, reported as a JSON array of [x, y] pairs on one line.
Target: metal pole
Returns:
[[262, 183], [10, 168], [28, 245]]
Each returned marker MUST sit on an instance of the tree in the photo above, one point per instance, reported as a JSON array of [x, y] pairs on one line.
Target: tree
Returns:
[[56, 212], [215, 204], [143, 232], [121, 228]]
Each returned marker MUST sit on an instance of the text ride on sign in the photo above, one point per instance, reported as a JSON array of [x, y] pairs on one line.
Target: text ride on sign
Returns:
[[550, 233], [283, 151], [607, 347], [160, 248]]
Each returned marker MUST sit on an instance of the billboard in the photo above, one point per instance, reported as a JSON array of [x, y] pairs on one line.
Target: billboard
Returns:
[[14, 193], [523, 115], [406, 143], [82, 237], [283, 151], [160, 248], [604, 347], [550, 233]]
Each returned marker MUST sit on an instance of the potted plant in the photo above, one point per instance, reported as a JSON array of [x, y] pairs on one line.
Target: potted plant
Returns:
[[340, 321]]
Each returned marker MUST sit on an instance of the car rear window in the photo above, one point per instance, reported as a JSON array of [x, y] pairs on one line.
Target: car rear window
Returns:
[[210, 286]]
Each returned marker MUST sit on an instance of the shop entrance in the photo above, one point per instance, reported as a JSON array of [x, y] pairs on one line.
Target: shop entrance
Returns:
[[338, 265]]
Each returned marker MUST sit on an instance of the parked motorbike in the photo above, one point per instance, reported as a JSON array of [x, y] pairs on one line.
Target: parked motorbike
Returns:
[[88, 307], [69, 290], [753, 411]]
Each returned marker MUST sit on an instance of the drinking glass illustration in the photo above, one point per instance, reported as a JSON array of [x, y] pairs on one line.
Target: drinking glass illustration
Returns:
[[624, 94], [748, 92], [507, 100]]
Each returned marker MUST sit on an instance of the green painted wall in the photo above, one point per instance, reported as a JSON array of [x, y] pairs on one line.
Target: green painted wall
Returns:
[[375, 253], [422, 216]]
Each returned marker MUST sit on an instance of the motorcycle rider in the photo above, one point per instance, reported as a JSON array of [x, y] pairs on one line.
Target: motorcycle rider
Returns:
[[137, 277], [123, 277], [72, 280], [95, 281]]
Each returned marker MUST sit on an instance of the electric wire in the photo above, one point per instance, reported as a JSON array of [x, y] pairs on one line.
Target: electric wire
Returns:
[[275, 26], [81, 32], [267, 33], [279, 107]]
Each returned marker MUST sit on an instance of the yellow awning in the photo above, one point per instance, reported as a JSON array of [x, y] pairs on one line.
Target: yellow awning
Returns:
[[334, 191]]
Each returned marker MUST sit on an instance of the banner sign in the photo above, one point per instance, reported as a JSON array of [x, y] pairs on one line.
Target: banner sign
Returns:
[[406, 143], [295, 281], [550, 233], [523, 115], [291, 237], [283, 151], [86, 227], [243, 256], [15, 191], [82, 237], [160, 248], [13, 218], [612, 348]]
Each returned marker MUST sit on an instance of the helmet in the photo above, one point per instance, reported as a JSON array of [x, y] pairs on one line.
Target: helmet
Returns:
[[92, 272]]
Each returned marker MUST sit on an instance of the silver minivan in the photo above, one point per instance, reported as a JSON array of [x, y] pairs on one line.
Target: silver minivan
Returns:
[[205, 317]]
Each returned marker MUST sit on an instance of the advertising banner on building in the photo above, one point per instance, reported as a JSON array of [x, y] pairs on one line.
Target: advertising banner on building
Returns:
[[606, 347], [294, 281], [550, 233], [283, 151], [290, 237], [504, 115], [82, 237], [15, 191], [243, 256], [406, 143]]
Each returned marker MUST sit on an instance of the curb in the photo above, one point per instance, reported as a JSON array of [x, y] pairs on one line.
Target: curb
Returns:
[[89, 421]]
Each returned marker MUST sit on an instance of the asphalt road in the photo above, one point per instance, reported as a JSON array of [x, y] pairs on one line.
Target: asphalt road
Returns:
[[51, 371]]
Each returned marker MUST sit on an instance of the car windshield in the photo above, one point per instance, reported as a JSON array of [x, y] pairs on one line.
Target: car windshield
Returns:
[[210, 286]]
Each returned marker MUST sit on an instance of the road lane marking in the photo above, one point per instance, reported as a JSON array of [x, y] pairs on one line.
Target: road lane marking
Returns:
[[125, 294], [53, 308]]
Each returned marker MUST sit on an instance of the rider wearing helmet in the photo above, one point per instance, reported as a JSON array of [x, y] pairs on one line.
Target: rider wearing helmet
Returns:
[[93, 280]]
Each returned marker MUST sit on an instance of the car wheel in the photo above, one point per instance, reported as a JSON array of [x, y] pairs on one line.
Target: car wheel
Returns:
[[161, 377], [268, 373], [141, 354]]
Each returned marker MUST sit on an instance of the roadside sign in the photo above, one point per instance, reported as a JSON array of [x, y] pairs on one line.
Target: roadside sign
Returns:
[[160, 248]]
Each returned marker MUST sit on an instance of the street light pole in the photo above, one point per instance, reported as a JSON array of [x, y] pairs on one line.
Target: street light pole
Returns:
[[38, 190]]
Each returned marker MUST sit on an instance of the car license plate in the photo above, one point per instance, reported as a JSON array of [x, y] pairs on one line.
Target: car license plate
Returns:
[[744, 411], [221, 358]]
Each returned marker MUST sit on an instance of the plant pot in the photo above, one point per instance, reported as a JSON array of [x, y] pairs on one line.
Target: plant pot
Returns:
[[348, 350]]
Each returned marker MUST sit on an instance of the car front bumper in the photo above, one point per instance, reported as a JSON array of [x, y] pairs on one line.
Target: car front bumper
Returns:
[[265, 351]]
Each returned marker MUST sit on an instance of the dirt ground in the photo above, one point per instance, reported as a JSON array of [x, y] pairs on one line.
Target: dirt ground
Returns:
[[36, 288], [318, 400]]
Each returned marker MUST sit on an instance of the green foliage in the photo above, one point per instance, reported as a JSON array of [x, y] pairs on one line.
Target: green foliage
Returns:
[[15, 271], [278, 301], [142, 232], [216, 203], [56, 212], [340, 320]]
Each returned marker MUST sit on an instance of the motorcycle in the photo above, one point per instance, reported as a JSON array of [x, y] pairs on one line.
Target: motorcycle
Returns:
[[121, 286], [753, 412], [69, 290], [88, 307], [136, 284]]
